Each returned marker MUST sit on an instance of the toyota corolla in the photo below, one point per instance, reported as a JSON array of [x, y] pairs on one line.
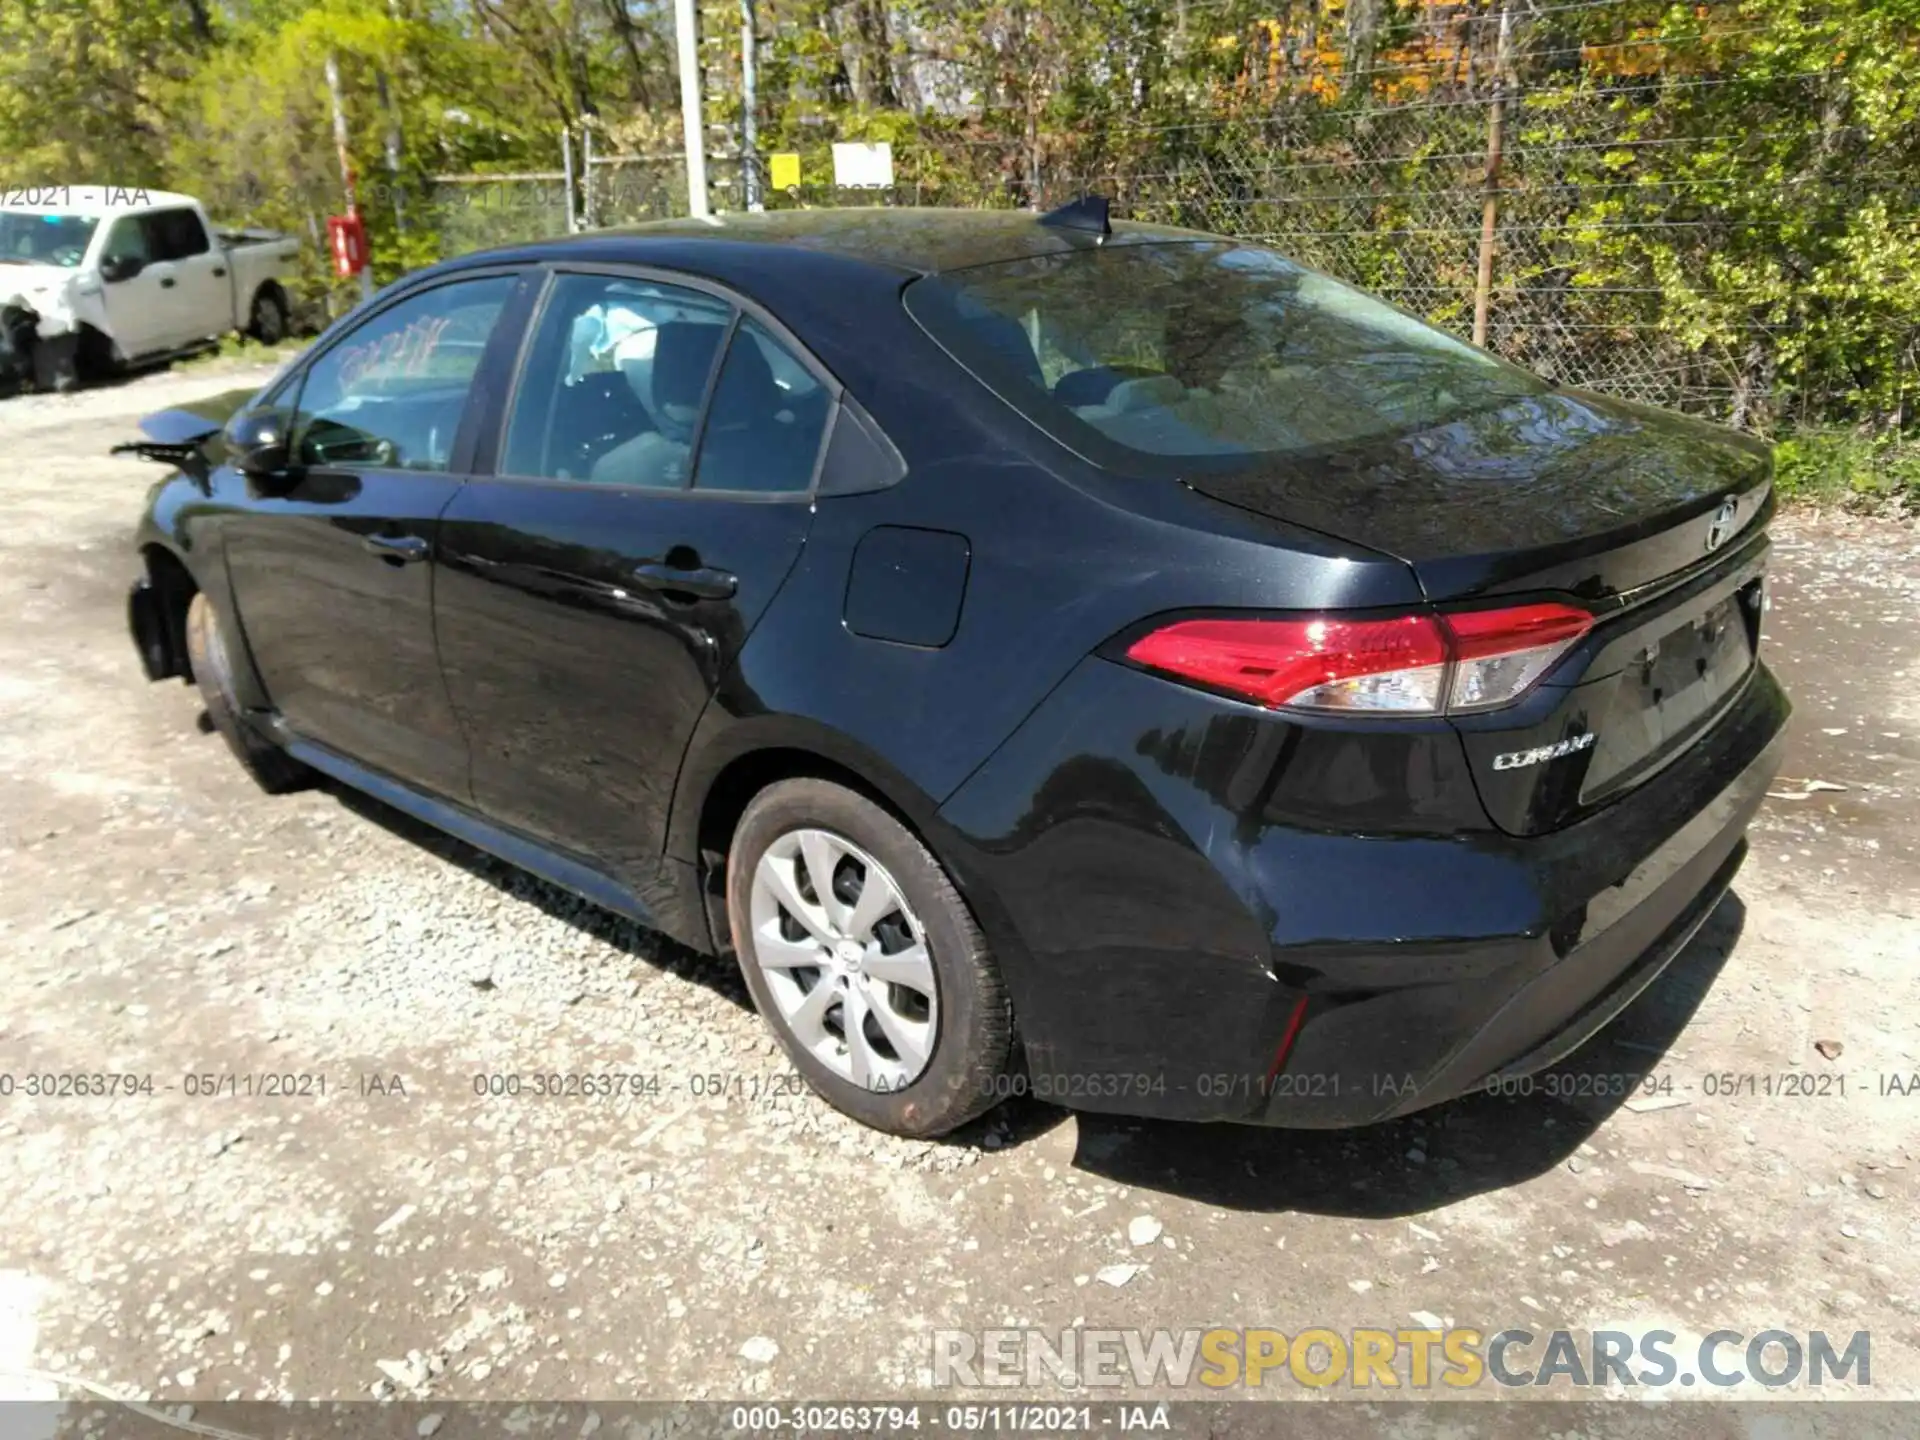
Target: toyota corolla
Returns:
[[1051, 654]]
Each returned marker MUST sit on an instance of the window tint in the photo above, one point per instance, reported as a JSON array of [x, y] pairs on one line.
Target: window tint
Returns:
[[1154, 356], [127, 240], [612, 387], [390, 394], [175, 234], [763, 429]]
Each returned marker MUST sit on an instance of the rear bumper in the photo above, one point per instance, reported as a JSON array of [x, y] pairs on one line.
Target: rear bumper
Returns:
[[1159, 941]]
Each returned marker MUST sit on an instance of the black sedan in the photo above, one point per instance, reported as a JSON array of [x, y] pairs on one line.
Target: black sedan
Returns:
[[1086, 659]]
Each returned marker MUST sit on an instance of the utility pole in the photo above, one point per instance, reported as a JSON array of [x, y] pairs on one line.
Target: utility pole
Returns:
[[393, 154], [749, 125], [687, 48], [566, 178], [587, 222], [393, 138], [346, 159], [1490, 209]]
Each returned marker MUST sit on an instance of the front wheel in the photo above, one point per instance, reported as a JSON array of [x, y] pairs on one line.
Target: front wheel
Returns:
[[272, 769], [56, 363], [865, 960]]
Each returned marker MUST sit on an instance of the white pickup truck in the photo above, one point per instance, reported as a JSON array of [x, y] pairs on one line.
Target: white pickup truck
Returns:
[[96, 277]]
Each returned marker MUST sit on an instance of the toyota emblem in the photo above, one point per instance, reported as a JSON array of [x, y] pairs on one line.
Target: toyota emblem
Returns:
[[1723, 524]]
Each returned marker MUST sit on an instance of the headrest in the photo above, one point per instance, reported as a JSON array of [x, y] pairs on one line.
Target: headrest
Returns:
[[682, 359]]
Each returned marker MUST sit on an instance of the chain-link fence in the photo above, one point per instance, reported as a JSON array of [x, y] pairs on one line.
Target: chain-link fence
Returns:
[[1674, 230]]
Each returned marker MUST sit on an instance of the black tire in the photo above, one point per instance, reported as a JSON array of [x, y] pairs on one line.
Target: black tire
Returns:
[[56, 364], [268, 322], [973, 1033], [272, 769]]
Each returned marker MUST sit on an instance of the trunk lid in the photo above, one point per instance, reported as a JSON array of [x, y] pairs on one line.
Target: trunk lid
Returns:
[[1562, 491], [1654, 522]]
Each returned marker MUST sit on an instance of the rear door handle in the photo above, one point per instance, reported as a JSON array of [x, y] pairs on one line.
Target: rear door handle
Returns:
[[166, 282], [219, 272], [701, 582], [396, 549]]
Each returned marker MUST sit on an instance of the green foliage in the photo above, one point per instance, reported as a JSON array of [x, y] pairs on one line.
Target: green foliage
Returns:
[[1835, 466], [1705, 204]]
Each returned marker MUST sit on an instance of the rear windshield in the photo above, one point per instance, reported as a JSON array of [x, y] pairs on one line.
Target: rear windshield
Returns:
[[1202, 354]]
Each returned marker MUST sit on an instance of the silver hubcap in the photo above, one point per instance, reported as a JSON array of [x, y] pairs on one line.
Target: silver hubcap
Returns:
[[845, 958]]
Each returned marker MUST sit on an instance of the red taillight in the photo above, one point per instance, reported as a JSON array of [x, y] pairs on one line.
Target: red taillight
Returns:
[[1409, 665], [1306, 662], [1498, 654]]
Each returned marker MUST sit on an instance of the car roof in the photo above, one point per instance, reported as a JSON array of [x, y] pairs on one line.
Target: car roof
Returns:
[[916, 240], [96, 200]]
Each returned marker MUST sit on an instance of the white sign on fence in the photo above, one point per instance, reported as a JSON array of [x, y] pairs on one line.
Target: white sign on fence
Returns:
[[865, 167]]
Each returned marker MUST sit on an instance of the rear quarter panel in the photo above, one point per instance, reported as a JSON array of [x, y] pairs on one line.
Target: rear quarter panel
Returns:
[[1061, 557]]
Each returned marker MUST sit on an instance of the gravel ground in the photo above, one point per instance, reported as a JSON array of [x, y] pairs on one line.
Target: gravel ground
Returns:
[[723, 1236]]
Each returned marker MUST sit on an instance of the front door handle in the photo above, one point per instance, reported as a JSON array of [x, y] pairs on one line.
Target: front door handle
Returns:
[[219, 272], [166, 282], [702, 582], [396, 549]]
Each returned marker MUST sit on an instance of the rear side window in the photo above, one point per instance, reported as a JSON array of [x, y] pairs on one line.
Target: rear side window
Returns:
[[1204, 354], [612, 388], [175, 234], [766, 420]]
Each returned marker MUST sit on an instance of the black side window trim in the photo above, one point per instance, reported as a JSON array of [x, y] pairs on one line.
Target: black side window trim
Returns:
[[461, 457], [493, 443]]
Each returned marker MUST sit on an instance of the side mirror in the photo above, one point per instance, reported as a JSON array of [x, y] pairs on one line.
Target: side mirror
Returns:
[[256, 444], [116, 268]]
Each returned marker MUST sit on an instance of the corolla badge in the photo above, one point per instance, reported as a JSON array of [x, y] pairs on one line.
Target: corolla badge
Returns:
[[1520, 759], [1723, 526]]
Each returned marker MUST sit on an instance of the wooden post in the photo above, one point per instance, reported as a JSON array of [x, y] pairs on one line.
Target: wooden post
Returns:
[[346, 158], [1490, 209]]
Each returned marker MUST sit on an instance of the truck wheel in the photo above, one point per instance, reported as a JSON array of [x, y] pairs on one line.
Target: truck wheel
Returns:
[[268, 323], [56, 363], [272, 769]]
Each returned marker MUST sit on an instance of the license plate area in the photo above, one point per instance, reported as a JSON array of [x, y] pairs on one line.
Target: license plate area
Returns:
[[1654, 677], [1680, 682]]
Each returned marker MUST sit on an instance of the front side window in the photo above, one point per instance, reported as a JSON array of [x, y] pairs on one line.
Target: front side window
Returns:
[[127, 240], [390, 394], [613, 384], [764, 426], [1203, 354]]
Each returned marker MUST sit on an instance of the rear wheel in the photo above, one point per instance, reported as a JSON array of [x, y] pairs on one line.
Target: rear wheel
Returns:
[[865, 960], [268, 322], [272, 769]]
